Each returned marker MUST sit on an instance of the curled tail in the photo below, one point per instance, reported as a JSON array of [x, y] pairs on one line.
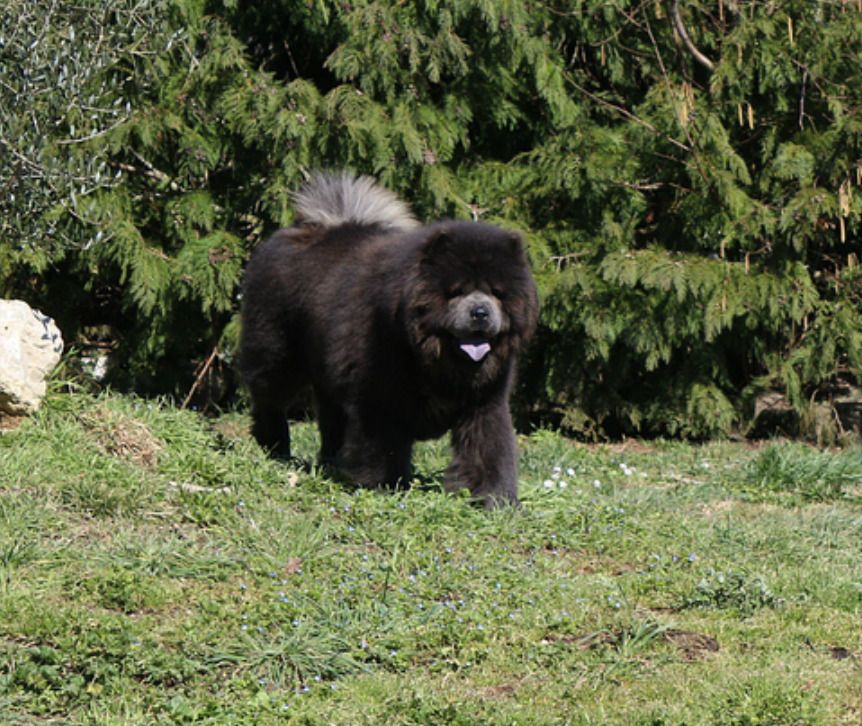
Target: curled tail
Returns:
[[334, 199]]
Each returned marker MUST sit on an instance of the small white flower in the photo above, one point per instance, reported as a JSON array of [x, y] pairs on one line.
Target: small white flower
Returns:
[[562, 484], [597, 484], [548, 484], [570, 471]]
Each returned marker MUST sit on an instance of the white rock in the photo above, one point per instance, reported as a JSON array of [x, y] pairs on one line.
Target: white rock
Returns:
[[30, 347]]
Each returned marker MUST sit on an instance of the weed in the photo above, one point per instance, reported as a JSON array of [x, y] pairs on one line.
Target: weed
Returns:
[[804, 471], [736, 590]]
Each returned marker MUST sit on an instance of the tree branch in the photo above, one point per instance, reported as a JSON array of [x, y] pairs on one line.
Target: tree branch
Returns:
[[676, 17], [692, 147], [203, 369]]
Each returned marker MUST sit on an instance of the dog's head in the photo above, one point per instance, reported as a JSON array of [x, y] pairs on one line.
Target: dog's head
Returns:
[[473, 298]]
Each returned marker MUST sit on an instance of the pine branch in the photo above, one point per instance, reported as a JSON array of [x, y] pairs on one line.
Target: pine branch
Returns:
[[627, 114]]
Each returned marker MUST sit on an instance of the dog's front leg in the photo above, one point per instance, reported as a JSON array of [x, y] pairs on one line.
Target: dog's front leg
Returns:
[[485, 456]]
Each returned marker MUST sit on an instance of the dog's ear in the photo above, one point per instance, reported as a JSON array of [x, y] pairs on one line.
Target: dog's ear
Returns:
[[437, 245], [514, 244]]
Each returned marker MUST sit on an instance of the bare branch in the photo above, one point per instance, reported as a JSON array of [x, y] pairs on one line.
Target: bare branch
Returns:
[[94, 135], [676, 17], [203, 369], [802, 99]]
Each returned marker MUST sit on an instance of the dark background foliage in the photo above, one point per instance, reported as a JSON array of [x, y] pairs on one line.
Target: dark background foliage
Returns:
[[687, 175]]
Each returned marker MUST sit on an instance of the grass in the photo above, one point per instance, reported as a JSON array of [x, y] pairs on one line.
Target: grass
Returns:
[[156, 568]]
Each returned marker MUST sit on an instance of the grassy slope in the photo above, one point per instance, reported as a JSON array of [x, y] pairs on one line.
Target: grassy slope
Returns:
[[154, 569]]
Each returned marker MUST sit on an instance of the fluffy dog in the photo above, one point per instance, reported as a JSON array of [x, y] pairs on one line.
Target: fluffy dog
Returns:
[[403, 331]]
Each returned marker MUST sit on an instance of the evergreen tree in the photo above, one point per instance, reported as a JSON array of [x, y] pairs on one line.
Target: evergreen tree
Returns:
[[687, 175]]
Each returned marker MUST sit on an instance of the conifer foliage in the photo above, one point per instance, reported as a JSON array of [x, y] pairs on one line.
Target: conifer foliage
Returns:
[[687, 174]]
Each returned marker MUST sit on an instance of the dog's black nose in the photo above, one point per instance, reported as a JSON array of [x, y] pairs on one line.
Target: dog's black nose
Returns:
[[480, 313]]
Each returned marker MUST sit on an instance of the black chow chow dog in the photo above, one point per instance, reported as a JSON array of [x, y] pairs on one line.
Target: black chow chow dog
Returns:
[[403, 332]]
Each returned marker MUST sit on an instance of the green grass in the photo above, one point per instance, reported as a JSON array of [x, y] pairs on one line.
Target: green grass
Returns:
[[156, 568]]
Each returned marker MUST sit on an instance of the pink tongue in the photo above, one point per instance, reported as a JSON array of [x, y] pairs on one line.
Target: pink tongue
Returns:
[[476, 352]]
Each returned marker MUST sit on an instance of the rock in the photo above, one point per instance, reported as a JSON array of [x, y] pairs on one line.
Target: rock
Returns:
[[773, 415], [30, 347], [833, 416]]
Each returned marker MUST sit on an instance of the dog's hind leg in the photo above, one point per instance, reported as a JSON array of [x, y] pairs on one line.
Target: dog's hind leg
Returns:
[[374, 455]]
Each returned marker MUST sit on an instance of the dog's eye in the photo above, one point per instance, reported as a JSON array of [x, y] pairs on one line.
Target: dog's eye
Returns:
[[456, 291], [498, 293]]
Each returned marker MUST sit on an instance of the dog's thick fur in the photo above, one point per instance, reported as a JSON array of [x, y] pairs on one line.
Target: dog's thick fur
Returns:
[[403, 331]]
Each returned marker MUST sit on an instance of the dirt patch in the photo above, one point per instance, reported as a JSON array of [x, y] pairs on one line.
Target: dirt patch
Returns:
[[836, 652], [590, 563], [293, 565], [584, 642], [10, 423], [588, 642], [717, 508], [496, 693], [597, 566], [839, 652], [630, 446], [123, 437], [693, 646]]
